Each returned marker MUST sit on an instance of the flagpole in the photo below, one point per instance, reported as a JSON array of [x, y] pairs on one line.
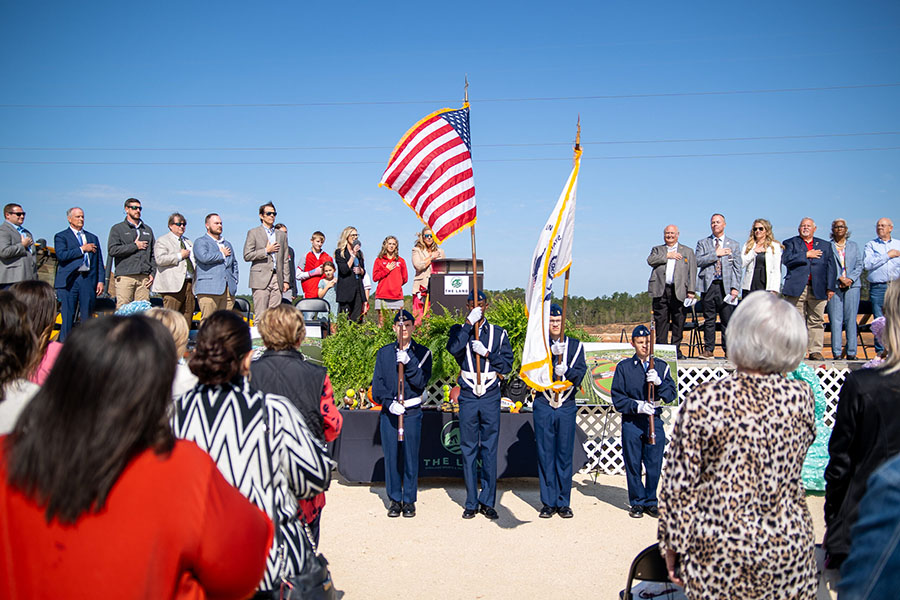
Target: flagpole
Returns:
[[562, 331], [474, 266]]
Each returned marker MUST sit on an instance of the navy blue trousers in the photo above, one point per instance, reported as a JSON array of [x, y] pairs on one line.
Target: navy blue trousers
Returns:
[[636, 454], [554, 432], [81, 296], [479, 432], [401, 477]]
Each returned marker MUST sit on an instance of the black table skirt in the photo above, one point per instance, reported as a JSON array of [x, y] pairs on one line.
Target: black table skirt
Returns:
[[361, 459]]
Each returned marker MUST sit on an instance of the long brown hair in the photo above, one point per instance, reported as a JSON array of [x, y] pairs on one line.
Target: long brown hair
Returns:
[[384, 250], [40, 300]]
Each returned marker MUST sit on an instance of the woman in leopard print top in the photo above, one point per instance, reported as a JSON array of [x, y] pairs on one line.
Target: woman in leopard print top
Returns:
[[733, 519]]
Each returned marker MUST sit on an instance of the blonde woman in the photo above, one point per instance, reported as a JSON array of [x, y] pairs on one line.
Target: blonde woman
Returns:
[[761, 259], [174, 321], [351, 266], [424, 252], [390, 272]]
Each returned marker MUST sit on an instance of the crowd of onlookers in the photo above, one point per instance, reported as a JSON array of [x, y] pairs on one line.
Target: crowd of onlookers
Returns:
[[813, 274]]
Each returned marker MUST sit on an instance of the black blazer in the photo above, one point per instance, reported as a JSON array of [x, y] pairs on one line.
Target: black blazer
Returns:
[[348, 282]]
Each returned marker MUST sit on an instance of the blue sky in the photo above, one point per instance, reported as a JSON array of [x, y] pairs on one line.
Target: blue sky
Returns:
[[346, 57]]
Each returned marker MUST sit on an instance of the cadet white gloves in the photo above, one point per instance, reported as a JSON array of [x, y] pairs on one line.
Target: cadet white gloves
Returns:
[[474, 316], [644, 408], [477, 347], [560, 370], [396, 408], [402, 356], [653, 377], [558, 348]]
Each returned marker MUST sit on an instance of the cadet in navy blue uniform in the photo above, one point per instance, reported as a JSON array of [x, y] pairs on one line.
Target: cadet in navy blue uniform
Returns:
[[629, 395], [401, 471], [554, 421], [479, 405]]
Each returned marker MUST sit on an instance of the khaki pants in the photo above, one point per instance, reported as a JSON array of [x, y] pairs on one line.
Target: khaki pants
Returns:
[[266, 298], [209, 303], [130, 288], [813, 310], [182, 301]]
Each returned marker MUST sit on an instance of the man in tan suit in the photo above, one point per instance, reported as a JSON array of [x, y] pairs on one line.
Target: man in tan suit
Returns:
[[266, 249], [174, 268], [672, 280]]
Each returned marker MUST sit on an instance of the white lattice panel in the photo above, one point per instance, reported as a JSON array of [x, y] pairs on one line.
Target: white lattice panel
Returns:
[[831, 380]]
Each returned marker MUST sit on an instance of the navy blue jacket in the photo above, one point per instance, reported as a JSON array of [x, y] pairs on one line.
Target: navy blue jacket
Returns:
[[630, 385], [799, 268], [500, 354], [70, 257], [416, 373], [574, 358]]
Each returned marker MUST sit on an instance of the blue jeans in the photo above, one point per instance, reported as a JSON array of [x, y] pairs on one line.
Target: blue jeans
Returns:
[[842, 309], [876, 295]]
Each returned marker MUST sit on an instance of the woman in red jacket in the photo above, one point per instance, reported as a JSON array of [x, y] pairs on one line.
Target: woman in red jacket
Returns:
[[390, 273], [98, 499]]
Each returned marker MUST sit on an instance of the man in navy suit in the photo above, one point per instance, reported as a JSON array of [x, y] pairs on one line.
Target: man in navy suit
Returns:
[[78, 279], [809, 282]]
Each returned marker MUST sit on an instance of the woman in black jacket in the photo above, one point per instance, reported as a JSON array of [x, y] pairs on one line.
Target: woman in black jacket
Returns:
[[351, 267], [866, 433]]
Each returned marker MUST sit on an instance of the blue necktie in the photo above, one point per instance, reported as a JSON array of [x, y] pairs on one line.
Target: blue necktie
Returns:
[[85, 259]]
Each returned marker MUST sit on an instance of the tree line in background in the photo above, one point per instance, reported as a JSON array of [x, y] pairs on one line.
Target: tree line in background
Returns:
[[621, 307]]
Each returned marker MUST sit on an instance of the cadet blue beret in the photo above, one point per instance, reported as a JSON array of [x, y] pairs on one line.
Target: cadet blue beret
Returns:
[[406, 316], [555, 310], [481, 296], [640, 331]]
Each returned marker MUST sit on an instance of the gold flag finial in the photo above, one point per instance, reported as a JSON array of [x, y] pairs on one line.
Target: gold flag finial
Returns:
[[466, 100], [578, 133]]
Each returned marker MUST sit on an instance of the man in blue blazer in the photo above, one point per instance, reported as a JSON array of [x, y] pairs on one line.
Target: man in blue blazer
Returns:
[[78, 280], [217, 270], [809, 282]]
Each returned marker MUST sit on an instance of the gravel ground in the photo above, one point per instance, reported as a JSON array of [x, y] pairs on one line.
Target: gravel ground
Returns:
[[438, 554]]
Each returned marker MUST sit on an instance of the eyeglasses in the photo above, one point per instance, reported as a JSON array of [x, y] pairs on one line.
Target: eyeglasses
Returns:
[[839, 227], [759, 229], [18, 214], [428, 235], [179, 224], [270, 213], [133, 207]]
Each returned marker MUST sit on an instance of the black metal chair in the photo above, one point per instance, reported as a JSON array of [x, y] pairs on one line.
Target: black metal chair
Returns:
[[648, 565], [242, 307], [695, 340], [864, 324], [316, 315]]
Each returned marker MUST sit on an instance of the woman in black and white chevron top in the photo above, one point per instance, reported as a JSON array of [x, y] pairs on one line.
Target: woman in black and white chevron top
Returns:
[[225, 418]]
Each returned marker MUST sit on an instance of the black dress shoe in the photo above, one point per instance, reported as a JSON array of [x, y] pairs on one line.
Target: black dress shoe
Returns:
[[394, 510], [469, 513], [565, 512], [547, 512], [488, 511], [636, 512], [653, 511], [409, 509]]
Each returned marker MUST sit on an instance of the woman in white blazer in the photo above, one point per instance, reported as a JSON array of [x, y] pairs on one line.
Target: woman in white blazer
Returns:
[[761, 259]]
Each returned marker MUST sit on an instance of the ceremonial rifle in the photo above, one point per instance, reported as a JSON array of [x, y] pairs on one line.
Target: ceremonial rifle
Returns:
[[400, 382], [651, 389]]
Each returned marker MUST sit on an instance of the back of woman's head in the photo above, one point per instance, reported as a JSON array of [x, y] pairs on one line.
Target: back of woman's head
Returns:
[[17, 342], [40, 299], [766, 334], [282, 327], [890, 337], [106, 400], [222, 343], [176, 325]]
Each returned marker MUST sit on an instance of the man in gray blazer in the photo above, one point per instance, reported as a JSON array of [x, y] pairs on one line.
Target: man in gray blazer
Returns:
[[719, 280], [266, 249], [174, 269], [672, 280], [16, 247], [217, 269]]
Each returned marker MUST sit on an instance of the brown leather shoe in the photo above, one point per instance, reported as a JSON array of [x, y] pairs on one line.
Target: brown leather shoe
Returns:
[[705, 355], [816, 356]]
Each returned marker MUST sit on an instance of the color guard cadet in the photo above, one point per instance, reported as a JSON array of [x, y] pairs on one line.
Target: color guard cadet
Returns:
[[401, 471], [554, 421], [629, 395], [479, 402]]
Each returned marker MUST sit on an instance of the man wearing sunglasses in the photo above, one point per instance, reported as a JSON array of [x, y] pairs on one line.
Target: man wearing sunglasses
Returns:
[[175, 268], [16, 247], [266, 249], [131, 246]]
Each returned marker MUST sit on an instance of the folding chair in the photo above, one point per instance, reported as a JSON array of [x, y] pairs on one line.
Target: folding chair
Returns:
[[864, 325], [695, 340], [649, 565], [316, 316]]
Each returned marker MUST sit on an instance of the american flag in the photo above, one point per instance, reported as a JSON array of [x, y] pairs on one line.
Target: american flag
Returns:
[[431, 169]]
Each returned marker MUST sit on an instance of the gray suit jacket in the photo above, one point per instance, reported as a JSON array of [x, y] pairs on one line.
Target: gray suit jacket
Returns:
[[171, 269], [706, 263], [684, 277], [261, 264], [16, 261]]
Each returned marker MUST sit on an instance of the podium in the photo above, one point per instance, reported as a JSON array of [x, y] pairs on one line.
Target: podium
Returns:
[[450, 284]]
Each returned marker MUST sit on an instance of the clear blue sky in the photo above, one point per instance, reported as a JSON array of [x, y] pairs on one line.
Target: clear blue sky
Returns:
[[189, 53]]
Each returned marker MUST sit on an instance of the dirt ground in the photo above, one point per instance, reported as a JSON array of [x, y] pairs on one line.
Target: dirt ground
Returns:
[[438, 554]]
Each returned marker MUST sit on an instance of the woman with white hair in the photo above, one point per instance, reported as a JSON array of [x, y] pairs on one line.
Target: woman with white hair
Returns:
[[866, 433], [733, 520]]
